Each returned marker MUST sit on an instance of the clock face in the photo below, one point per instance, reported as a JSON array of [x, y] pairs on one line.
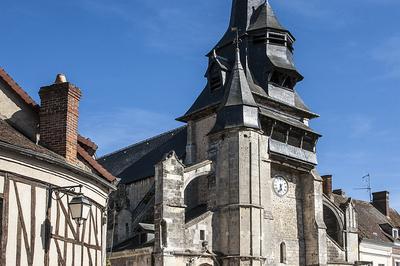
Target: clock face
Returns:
[[281, 186]]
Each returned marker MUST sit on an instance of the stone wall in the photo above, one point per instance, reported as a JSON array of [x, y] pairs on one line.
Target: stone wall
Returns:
[[287, 212], [201, 128], [125, 200], [139, 257]]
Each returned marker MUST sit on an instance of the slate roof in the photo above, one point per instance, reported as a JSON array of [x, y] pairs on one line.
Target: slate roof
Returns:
[[369, 221], [264, 17], [285, 119], [238, 89], [137, 162], [237, 94]]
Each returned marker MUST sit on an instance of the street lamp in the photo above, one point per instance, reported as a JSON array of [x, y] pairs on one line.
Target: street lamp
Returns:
[[79, 205]]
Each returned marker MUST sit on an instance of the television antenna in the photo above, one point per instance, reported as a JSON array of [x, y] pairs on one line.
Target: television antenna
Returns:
[[367, 180]]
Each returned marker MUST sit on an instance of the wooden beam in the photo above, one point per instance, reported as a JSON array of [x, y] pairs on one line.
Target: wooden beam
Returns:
[[4, 222], [73, 241], [23, 226], [67, 217]]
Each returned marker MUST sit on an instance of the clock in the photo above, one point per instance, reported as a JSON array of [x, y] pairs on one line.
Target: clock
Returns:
[[281, 186]]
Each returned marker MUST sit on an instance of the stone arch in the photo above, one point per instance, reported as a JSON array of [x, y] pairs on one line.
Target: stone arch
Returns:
[[334, 223], [196, 192]]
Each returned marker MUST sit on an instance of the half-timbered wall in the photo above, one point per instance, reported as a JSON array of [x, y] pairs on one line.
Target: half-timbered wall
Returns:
[[24, 190]]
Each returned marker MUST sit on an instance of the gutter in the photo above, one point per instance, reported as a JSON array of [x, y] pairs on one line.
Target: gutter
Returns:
[[58, 162]]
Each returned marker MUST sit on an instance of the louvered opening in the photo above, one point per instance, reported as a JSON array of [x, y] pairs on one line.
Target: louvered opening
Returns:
[[215, 80]]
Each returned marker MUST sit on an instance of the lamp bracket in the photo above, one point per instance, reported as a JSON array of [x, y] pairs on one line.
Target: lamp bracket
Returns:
[[64, 190]]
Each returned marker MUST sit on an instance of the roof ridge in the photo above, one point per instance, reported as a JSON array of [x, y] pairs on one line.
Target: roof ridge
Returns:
[[141, 142]]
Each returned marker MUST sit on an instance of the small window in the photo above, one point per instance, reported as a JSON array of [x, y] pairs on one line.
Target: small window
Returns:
[[164, 233], [397, 263], [127, 229], [202, 235], [283, 253], [395, 233]]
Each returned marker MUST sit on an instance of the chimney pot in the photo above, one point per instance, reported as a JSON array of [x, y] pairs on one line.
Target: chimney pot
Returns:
[[61, 78]]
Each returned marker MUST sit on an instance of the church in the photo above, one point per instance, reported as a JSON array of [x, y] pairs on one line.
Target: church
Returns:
[[237, 185]]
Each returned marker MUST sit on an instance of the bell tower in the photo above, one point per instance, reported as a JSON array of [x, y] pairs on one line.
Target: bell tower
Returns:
[[250, 121]]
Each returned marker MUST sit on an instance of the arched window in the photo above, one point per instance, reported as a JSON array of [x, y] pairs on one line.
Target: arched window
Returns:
[[283, 253], [334, 228]]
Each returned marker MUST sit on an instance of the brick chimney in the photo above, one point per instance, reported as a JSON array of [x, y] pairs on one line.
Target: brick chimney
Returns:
[[381, 202], [327, 184], [59, 118]]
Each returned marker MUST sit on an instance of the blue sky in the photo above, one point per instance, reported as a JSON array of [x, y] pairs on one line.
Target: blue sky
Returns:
[[140, 64]]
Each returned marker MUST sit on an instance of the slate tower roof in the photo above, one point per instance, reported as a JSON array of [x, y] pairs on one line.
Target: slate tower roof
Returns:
[[238, 108], [267, 47]]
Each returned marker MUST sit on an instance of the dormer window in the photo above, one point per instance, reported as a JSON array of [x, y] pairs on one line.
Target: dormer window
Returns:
[[215, 79], [395, 233]]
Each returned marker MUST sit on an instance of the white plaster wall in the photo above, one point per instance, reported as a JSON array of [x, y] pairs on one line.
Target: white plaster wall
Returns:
[[14, 109], [378, 254], [43, 174]]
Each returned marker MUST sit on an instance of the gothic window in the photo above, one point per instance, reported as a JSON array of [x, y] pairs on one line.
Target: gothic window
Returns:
[[283, 253]]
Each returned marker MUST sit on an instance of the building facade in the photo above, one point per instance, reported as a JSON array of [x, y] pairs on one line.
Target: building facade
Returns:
[[44, 164], [237, 185]]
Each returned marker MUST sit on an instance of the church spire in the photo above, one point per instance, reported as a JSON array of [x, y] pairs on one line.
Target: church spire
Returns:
[[238, 108]]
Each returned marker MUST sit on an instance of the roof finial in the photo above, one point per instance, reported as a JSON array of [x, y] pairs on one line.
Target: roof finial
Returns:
[[61, 78]]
